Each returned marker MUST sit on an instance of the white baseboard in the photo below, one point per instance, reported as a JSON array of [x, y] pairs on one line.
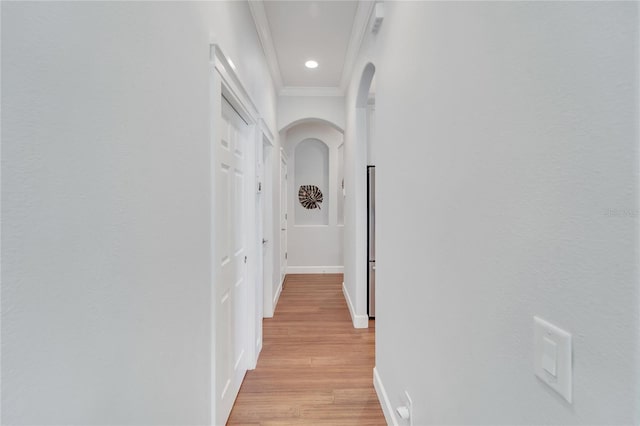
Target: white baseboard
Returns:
[[315, 269], [276, 297], [359, 321], [387, 409], [258, 348]]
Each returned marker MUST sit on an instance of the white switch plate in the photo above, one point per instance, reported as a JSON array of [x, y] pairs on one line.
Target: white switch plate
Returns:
[[552, 357]]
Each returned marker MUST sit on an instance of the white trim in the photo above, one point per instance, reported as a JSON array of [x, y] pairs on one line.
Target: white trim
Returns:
[[360, 27], [276, 297], [387, 409], [264, 33], [264, 127], [282, 266], [215, 113], [315, 269], [358, 31], [268, 229], [359, 321], [311, 91], [258, 347], [224, 82], [234, 87]]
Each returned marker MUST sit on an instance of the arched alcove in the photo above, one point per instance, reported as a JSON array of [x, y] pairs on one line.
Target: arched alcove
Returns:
[[315, 237], [311, 182]]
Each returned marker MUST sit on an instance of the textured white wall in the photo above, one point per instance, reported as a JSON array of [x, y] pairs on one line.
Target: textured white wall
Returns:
[[507, 178], [105, 206], [313, 246]]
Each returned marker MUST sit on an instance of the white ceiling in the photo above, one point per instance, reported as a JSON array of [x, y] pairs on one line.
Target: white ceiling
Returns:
[[318, 30], [293, 32]]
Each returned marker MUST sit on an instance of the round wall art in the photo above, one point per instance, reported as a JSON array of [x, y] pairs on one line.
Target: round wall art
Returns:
[[310, 196]]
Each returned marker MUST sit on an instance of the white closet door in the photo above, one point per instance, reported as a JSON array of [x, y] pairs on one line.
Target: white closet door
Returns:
[[231, 320]]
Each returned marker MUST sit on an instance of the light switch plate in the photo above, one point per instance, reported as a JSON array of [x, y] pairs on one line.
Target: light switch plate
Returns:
[[552, 357]]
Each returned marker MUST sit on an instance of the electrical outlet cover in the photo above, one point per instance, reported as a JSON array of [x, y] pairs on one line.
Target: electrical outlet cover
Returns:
[[410, 407]]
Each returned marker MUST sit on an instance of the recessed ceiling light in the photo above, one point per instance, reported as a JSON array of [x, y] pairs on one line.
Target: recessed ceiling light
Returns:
[[311, 64]]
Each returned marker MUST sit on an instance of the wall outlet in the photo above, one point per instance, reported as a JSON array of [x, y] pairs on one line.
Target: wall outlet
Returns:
[[410, 405], [405, 412]]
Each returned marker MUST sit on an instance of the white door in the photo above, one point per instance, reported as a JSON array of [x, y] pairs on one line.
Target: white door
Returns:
[[283, 218], [231, 246]]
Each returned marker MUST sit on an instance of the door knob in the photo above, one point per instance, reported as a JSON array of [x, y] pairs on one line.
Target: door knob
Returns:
[[264, 241], [283, 229]]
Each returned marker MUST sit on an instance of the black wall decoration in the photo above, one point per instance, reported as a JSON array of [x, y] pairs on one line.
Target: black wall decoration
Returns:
[[310, 196]]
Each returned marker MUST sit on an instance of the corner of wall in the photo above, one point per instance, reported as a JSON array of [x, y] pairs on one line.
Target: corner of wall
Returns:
[[276, 297], [383, 398], [359, 321]]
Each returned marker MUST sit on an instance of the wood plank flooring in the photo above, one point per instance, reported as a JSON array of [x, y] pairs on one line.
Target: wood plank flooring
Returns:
[[315, 368]]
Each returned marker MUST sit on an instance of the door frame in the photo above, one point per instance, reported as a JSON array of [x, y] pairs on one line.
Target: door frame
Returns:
[[356, 207], [284, 160], [224, 82], [264, 228], [268, 197]]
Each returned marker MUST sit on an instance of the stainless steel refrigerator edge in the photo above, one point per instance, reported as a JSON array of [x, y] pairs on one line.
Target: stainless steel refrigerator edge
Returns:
[[371, 240]]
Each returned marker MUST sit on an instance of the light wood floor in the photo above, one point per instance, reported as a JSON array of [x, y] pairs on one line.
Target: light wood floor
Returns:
[[315, 368]]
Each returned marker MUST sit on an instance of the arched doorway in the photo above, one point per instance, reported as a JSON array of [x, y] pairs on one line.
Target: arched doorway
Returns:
[[356, 232]]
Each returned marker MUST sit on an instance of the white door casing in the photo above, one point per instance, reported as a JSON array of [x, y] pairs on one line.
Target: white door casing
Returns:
[[263, 228], [259, 281], [232, 255], [284, 186], [267, 222], [235, 236]]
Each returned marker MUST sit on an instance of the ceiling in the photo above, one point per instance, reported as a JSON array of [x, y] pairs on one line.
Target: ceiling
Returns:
[[292, 32]]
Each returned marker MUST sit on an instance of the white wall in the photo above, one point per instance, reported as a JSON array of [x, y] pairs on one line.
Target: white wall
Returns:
[[292, 109], [314, 248], [105, 206], [507, 187]]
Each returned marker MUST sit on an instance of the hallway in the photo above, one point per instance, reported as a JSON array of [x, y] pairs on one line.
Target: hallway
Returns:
[[315, 368], [167, 165]]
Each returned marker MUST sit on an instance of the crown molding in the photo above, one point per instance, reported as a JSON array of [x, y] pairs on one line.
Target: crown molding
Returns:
[[311, 91], [360, 27], [264, 34]]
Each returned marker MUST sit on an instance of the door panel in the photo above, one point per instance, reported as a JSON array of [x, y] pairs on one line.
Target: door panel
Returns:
[[231, 244]]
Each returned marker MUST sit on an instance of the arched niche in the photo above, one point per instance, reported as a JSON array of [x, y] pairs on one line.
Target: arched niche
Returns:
[[311, 159]]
